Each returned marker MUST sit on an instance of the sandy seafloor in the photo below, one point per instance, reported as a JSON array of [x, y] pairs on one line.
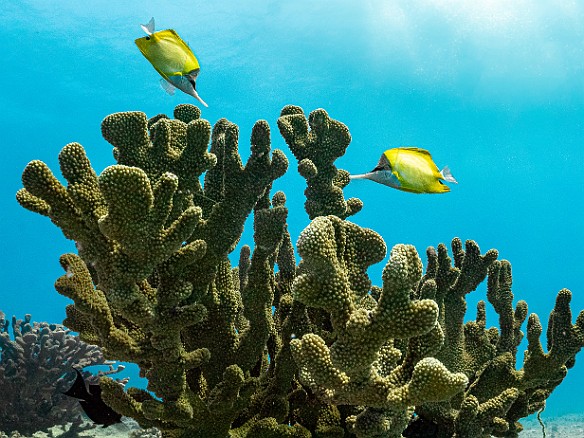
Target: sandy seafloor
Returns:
[[127, 429], [567, 426]]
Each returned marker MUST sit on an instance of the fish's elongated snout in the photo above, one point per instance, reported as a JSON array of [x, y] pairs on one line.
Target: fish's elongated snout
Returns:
[[196, 96]]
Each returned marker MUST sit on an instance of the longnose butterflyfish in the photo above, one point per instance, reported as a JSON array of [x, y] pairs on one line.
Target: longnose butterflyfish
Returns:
[[172, 58], [409, 169]]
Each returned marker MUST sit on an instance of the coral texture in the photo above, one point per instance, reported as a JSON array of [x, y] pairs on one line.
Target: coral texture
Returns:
[[269, 348], [498, 395], [316, 143], [35, 368], [360, 367]]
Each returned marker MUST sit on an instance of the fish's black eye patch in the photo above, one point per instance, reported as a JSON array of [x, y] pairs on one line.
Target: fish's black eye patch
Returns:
[[382, 166], [147, 38]]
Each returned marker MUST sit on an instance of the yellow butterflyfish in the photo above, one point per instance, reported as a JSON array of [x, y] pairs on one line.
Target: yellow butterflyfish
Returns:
[[172, 58], [409, 169]]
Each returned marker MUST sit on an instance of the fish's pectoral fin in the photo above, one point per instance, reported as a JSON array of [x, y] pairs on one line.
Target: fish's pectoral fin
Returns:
[[167, 86], [148, 28], [447, 175]]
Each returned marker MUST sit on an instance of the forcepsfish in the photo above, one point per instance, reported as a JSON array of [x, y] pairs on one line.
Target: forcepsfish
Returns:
[[409, 169], [172, 58]]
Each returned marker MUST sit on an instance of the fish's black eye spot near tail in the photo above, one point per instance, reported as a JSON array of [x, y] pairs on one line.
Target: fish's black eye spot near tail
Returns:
[[147, 38]]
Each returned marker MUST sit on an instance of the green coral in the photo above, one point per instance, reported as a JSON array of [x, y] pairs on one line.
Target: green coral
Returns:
[[148, 270], [356, 368], [498, 394], [316, 151], [269, 348]]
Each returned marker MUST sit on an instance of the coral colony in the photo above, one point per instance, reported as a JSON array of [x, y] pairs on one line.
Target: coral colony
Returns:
[[36, 367], [152, 284]]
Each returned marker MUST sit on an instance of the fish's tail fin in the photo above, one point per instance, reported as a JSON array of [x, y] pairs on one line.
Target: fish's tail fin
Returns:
[[447, 175], [148, 28]]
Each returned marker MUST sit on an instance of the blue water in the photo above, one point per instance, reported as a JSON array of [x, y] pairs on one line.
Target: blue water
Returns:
[[494, 89]]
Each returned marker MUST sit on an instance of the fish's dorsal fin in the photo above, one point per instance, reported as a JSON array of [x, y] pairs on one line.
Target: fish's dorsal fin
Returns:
[[167, 86], [416, 149], [148, 28]]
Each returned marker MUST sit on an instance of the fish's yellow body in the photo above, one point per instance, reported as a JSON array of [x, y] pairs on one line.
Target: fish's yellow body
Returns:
[[409, 169], [172, 58], [168, 53], [415, 170]]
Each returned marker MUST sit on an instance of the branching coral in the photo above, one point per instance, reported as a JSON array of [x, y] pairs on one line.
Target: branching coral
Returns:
[[152, 283], [360, 367], [35, 369], [498, 395], [316, 151], [269, 348]]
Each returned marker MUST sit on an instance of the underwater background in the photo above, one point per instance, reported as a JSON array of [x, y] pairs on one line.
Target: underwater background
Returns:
[[494, 90]]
